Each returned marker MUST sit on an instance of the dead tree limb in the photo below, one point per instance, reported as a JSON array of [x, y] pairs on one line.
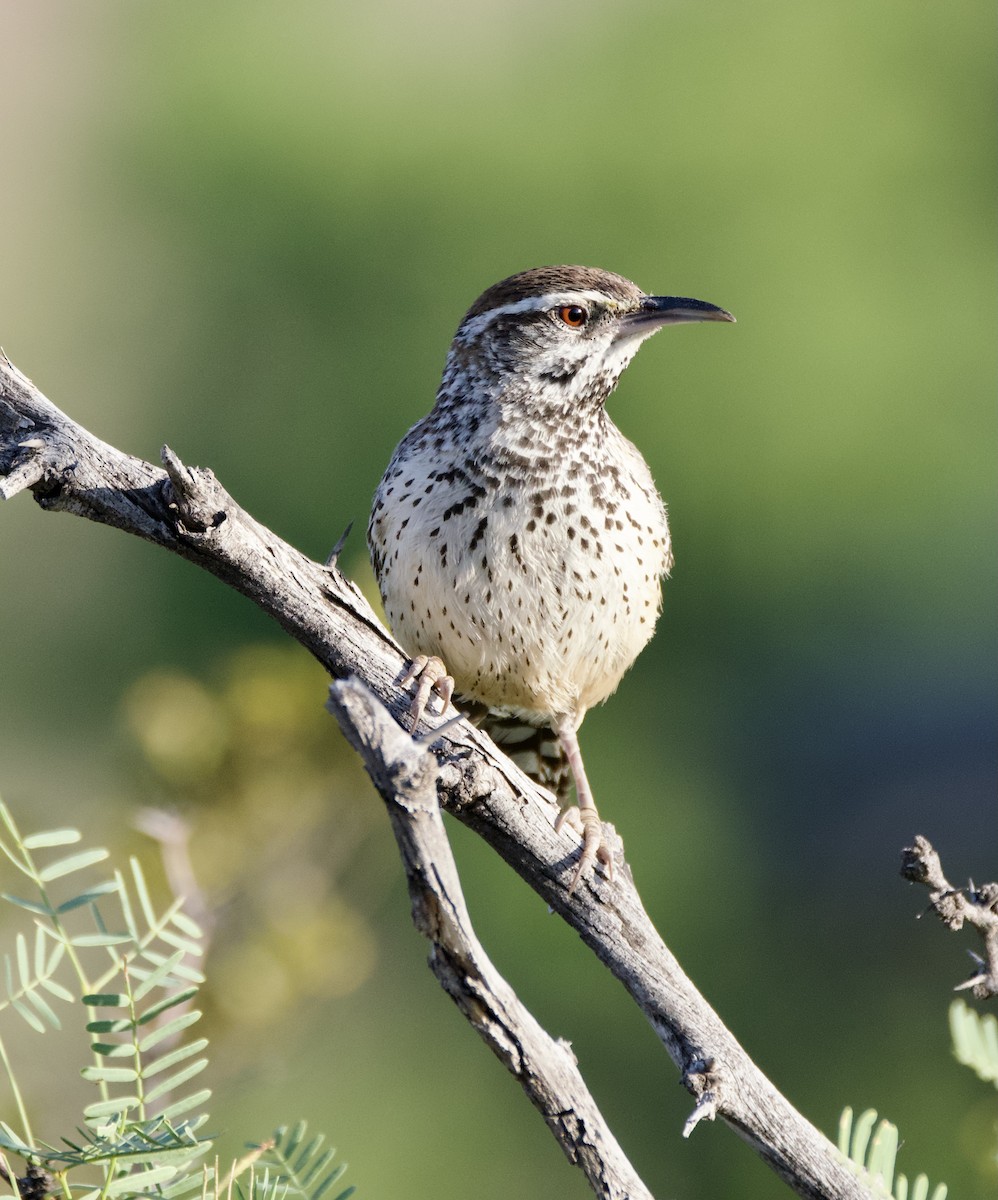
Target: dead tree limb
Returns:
[[406, 776], [186, 510], [955, 907]]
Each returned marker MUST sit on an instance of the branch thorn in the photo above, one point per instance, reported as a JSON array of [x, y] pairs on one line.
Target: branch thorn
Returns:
[[334, 554]]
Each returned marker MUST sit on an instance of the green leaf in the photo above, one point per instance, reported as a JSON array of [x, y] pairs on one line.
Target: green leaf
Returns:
[[328, 1183], [180, 1107], [975, 1040], [73, 862], [40, 955], [177, 1025], [109, 1108], [10, 1141], [109, 1074], [54, 837], [174, 1057], [306, 1154], [189, 974], [43, 1009], [126, 906], [89, 896], [165, 1003], [23, 966], [160, 976], [8, 819], [118, 1026], [845, 1130], [57, 990], [189, 1183], [143, 892], [335, 1175], [139, 1181], [102, 939], [27, 1015], [861, 1135], [194, 1124], [31, 906], [188, 926], [317, 1167], [58, 950], [174, 1081], [186, 944], [105, 1000], [155, 959], [883, 1153], [114, 1049], [293, 1142]]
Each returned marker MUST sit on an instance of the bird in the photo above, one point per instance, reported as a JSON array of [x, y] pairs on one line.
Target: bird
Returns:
[[517, 536]]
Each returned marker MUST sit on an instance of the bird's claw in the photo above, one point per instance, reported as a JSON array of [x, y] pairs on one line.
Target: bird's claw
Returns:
[[433, 677], [586, 822]]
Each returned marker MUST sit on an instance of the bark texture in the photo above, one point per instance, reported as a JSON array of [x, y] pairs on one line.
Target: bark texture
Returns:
[[976, 906]]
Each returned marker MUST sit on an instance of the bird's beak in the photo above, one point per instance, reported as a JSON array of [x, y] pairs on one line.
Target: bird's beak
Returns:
[[656, 311]]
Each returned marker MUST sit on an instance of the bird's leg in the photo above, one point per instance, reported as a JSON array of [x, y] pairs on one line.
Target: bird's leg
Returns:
[[594, 847], [433, 677]]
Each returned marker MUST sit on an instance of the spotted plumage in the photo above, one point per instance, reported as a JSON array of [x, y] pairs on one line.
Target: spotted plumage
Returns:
[[517, 535]]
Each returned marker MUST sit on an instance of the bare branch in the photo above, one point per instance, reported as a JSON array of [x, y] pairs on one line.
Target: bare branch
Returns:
[[187, 511], [977, 906], [406, 776]]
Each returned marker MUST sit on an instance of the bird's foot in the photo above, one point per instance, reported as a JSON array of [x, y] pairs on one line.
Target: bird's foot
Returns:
[[586, 822], [433, 678]]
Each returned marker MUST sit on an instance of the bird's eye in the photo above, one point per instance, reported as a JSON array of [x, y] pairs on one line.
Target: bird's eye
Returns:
[[573, 315]]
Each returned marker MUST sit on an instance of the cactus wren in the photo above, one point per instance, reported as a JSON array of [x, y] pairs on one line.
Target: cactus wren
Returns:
[[517, 536]]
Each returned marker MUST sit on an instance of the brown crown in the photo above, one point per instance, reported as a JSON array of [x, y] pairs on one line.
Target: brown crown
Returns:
[[540, 280]]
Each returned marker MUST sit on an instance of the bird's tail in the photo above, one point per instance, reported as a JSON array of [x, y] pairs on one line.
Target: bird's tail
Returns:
[[534, 748]]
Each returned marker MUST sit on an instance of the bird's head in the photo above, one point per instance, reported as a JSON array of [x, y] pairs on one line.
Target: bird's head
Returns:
[[563, 334]]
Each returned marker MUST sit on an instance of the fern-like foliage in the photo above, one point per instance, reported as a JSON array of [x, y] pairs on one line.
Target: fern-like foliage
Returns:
[[131, 971], [975, 1040], [872, 1150], [135, 970], [288, 1166]]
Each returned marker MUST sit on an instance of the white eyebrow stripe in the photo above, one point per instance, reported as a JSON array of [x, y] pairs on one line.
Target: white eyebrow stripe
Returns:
[[474, 326]]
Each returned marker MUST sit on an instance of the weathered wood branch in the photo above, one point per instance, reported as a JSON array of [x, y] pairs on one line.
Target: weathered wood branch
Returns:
[[956, 907], [187, 511], [405, 774]]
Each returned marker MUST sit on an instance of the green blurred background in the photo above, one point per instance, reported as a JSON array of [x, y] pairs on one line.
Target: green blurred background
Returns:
[[249, 230]]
